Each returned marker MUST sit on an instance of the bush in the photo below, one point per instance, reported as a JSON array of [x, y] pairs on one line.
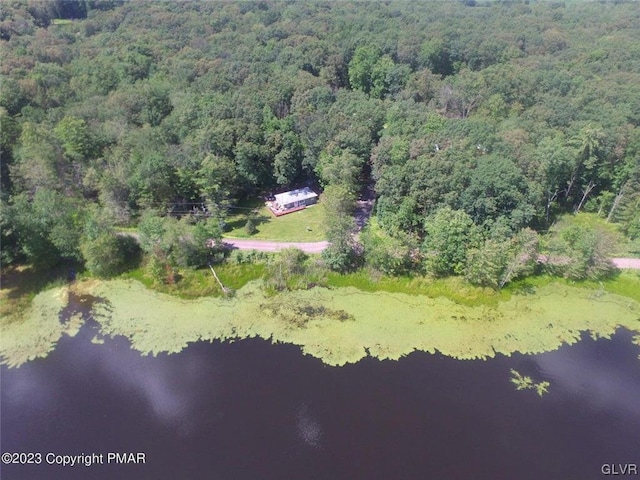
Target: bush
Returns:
[[250, 227], [160, 268], [292, 269], [497, 263], [389, 254], [581, 253], [242, 257], [110, 254], [450, 233], [343, 257]]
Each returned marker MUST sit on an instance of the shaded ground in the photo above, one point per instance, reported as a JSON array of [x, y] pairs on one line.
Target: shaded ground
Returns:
[[363, 212]]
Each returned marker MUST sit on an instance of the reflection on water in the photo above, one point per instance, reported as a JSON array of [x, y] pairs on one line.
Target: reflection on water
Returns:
[[309, 430], [594, 377], [251, 410]]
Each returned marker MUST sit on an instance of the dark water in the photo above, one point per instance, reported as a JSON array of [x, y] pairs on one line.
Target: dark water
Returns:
[[251, 410]]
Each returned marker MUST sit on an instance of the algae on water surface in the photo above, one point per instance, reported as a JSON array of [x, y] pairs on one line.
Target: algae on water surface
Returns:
[[35, 333], [344, 325]]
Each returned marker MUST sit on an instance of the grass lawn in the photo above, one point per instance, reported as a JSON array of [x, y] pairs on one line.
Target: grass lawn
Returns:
[[200, 283], [453, 288], [302, 226], [456, 289]]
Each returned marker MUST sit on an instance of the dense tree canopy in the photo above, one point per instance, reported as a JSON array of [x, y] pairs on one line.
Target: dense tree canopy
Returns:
[[169, 106]]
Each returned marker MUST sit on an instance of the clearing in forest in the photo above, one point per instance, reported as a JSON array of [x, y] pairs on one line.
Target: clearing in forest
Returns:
[[301, 226]]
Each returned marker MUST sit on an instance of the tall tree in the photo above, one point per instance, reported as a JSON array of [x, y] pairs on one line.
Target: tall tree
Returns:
[[361, 67], [497, 262], [449, 235], [344, 252], [341, 167], [48, 227]]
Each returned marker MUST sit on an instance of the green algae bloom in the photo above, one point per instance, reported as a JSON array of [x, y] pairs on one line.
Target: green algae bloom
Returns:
[[35, 333], [523, 382], [338, 326]]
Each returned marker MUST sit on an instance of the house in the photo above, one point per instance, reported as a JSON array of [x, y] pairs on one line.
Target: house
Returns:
[[293, 200]]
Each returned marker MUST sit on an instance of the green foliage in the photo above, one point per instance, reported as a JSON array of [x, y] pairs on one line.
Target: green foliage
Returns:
[[580, 253], [173, 243], [434, 54], [249, 227], [485, 264], [38, 158], [244, 257], [498, 189], [523, 382], [12, 98], [498, 262], [107, 253], [110, 254], [152, 179], [10, 250], [342, 256], [159, 268], [341, 168], [625, 207], [292, 269], [449, 235], [343, 253], [152, 229], [386, 253], [376, 74], [212, 104], [156, 103], [74, 137], [216, 178], [361, 67], [47, 227]]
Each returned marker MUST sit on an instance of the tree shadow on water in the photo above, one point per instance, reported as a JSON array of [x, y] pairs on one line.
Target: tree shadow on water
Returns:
[[22, 281], [524, 288]]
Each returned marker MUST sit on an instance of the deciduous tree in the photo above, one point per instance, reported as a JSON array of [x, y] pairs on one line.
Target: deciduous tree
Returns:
[[449, 235]]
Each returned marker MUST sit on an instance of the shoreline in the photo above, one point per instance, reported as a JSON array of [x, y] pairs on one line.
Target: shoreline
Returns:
[[338, 325]]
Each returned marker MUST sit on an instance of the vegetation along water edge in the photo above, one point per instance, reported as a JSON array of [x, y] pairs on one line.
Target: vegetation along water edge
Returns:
[[338, 326]]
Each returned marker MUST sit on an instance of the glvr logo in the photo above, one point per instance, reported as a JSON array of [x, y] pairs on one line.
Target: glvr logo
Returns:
[[620, 469]]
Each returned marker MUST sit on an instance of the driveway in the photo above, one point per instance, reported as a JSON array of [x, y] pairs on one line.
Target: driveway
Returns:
[[318, 247], [632, 263], [269, 246]]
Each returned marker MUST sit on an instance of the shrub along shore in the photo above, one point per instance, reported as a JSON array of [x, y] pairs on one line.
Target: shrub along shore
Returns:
[[350, 317]]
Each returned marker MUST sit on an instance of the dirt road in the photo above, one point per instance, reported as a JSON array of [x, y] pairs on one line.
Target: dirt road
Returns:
[[268, 246], [318, 247], [632, 263]]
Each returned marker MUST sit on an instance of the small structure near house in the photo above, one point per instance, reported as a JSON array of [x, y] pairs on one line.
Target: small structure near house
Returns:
[[292, 201]]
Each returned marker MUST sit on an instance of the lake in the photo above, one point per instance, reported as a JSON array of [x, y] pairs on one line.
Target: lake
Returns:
[[253, 410]]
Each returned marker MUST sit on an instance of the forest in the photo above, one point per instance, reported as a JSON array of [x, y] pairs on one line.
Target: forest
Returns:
[[476, 126]]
